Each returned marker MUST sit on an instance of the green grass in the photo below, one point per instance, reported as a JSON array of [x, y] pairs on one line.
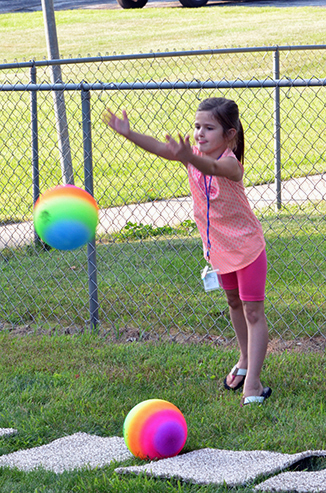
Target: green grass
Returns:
[[56, 386], [154, 284], [119, 31]]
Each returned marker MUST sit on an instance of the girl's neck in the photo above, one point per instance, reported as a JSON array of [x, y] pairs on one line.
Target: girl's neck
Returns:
[[216, 154]]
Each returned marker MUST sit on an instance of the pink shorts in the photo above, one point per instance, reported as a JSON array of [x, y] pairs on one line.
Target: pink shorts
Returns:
[[250, 280]]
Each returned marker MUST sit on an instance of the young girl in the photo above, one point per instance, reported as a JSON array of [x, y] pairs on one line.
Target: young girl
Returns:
[[236, 246]]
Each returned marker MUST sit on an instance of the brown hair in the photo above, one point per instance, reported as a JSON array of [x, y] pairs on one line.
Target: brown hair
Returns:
[[226, 112]]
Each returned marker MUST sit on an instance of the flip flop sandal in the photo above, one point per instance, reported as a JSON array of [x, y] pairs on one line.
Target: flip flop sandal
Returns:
[[236, 372], [256, 399]]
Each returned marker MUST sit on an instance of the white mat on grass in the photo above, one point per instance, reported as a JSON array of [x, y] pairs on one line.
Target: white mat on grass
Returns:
[[205, 466], [213, 466], [7, 431], [298, 481], [70, 452]]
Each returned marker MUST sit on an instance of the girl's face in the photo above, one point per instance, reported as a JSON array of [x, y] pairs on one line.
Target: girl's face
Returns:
[[209, 134]]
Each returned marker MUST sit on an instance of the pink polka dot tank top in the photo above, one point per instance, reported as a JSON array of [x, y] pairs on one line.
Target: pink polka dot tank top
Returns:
[[235, 233]]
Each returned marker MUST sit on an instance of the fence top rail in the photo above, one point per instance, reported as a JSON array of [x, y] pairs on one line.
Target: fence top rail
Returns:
[[168, 54], [151, 85]]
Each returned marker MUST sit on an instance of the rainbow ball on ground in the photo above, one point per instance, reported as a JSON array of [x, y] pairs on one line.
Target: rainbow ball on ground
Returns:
[[65, 217], [155, 429]]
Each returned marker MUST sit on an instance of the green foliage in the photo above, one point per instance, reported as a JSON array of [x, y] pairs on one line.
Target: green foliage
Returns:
[[134, 231]]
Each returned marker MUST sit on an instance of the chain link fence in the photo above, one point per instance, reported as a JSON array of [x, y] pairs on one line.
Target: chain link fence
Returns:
[[141, 278]]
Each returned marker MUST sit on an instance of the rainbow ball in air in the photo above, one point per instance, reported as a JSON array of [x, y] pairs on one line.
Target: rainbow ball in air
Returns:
[[65, 217], [155, 429]]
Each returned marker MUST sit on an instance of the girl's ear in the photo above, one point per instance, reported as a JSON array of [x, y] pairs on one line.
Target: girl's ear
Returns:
[[231, 133]]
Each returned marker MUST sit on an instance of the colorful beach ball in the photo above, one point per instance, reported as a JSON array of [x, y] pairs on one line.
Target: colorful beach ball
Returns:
[[155, 429], [65, 217]]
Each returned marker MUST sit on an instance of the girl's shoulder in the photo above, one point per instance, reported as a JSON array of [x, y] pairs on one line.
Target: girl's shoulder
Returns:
[[229, 153]]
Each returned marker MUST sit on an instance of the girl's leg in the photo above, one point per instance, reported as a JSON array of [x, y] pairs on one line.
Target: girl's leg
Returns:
[[248, 317], [240, 326], [245, 291], [257, 345], [252, 281]]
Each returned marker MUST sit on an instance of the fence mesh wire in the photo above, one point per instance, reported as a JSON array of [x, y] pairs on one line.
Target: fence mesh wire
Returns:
[[149, 254]]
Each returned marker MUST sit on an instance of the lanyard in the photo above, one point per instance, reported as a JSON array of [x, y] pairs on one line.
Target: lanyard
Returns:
[[208, 192]]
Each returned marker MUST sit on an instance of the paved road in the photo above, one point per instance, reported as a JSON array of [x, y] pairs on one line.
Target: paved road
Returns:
[[34, 5]]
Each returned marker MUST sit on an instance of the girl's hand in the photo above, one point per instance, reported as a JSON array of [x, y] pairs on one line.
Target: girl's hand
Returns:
[[117, 124], [181, 150]]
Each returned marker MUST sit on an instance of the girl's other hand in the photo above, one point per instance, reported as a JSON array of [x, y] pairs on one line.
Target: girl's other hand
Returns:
[[120, 125], [181, 150]]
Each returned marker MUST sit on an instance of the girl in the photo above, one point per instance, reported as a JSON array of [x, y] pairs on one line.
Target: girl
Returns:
[[236, 246]]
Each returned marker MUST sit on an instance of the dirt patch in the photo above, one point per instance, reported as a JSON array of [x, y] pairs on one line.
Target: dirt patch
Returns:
[[129, 335], [302, 345]]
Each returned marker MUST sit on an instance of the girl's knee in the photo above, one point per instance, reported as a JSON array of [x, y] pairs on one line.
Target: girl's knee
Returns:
[[254, 311], [233, 299]]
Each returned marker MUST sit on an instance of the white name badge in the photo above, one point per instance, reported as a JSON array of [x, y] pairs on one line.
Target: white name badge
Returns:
[[210, 279]]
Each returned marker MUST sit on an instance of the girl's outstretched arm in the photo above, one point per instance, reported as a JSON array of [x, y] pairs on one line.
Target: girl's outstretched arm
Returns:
[[146, 142], [226, 166]]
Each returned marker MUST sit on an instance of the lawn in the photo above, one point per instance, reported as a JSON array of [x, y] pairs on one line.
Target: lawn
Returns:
[[121, 31], [56, 386]]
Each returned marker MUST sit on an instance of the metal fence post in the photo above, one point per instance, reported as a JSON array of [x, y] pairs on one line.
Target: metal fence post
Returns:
[[88, 171], [58, 96], [34, 143], [277, 132]]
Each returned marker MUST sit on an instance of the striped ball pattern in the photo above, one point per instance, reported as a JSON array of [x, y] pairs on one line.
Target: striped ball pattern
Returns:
[[65, 217], [155, 429]]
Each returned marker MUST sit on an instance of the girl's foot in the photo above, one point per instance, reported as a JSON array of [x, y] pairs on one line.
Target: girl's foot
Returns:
[[235, 379], [256, 399]]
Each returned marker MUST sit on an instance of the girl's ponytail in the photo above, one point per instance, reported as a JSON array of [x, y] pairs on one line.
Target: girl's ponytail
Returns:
[[239, 147]]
